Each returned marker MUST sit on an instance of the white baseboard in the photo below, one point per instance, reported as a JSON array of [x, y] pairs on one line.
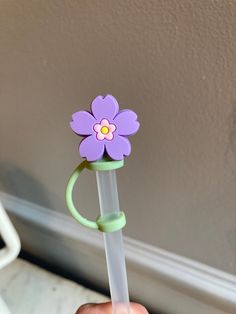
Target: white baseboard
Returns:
[[163, 281]]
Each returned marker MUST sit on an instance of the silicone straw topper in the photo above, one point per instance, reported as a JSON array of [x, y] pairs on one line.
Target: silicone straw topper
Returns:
[[105, 130]]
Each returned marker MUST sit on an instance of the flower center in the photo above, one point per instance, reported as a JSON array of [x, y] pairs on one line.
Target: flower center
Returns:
[[104, 130]]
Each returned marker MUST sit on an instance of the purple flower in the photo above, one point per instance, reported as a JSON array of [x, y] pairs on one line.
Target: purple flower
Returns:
[[105, 129]]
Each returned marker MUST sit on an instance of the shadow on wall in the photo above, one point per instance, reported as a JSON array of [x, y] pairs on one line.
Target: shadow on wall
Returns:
[[231, 149], [231, 161], [17, 182]]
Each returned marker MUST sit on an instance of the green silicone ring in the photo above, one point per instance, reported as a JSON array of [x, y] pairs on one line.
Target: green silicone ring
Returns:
[[105, 165], [108, 223], [111, 222]]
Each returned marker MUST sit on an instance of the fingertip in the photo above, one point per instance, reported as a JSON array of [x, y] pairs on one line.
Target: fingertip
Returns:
[[106, 308], [137, 308], [90, 308], [85, 308]]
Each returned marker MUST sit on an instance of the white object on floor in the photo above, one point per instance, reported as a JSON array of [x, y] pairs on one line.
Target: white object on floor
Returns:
[[10, 237], [3, 308], [10, 251], [29, 289]]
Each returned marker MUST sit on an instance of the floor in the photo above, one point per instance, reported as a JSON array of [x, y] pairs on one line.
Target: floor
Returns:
[[28, 289]]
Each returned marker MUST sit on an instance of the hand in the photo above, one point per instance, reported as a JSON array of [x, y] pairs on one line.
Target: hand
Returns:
[[106, 308]]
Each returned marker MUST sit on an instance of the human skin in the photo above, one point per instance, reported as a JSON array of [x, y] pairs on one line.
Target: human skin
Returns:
[[106, 308]]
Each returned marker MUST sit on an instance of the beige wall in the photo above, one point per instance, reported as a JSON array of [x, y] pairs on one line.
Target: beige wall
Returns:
[[174, 63]]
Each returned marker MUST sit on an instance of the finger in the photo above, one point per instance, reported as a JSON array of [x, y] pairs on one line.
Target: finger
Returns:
[[106, 308]]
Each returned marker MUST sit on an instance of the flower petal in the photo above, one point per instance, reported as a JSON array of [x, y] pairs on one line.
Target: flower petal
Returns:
[[112, 127], [91, 148], [109, 136], [126, 122], [82, 123], [97, 127], [105, 107], [104, 122], [100, 136], [118, 147]]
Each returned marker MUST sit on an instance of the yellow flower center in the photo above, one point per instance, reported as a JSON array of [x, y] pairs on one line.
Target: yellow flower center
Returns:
[[104, 130]]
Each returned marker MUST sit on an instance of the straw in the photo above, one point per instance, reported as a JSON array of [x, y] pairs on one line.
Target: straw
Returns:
[[115, 257]]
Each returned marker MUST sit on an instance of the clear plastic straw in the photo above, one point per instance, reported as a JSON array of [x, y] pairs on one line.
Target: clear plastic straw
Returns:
[[115, 257]]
